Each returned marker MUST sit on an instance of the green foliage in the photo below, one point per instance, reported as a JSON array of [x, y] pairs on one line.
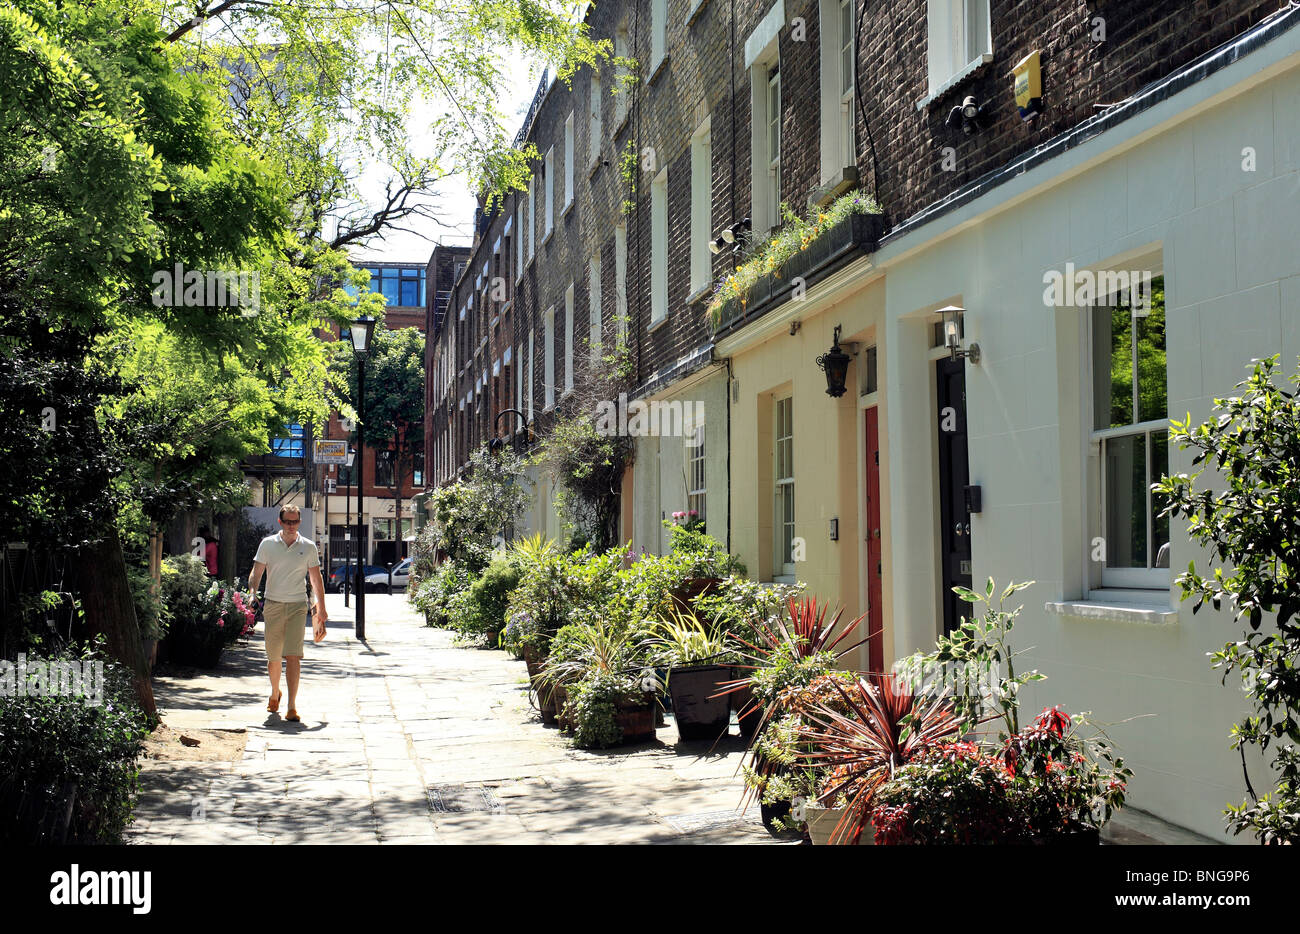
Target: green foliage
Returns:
[[1250, 528], [794, 234], [589, 468], [150, 611], [682, 641], [394, 404], [969, 662], [592, 708], [470, 514], [437, 595], [50, 741], [738, 605], [950, 794], [488, 598]]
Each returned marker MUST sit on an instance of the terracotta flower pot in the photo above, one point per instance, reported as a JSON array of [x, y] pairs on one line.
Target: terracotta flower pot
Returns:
[[637, 722]]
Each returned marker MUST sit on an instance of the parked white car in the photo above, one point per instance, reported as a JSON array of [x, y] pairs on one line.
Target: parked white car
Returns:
[[378, 580]]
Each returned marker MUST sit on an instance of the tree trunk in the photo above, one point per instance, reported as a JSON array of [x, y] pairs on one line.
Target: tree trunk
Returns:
[[227, 536], [110, 610]]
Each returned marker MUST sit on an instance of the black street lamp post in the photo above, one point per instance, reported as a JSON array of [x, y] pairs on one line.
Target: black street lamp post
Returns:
[[361, 332]]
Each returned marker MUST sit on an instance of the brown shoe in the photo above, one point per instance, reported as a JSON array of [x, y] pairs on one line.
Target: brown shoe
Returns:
[[292, 716], [273, 704]]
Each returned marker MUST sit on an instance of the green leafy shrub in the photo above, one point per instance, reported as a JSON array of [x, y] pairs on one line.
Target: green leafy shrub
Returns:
[[50, 742], [1250, 527], [488, 598], [437, 596], [593, 707]]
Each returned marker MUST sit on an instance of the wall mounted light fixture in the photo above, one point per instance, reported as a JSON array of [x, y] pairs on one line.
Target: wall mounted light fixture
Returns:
[[952, 325], [835, 363], [969, 114]]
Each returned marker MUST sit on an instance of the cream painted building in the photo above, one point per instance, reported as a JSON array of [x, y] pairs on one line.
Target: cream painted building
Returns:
[[1198, 184]]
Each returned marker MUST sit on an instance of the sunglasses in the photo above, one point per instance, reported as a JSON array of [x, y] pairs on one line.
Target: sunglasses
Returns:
[[290, 521]]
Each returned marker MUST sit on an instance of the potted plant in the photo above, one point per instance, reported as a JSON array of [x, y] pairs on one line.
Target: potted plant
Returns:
[[595, 668], [698, 662], [788, 652], [860, 735]]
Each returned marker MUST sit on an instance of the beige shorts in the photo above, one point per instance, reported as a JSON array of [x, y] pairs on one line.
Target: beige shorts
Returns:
[[285, 624]]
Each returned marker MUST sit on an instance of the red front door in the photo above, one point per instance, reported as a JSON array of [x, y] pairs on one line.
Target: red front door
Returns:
[[875, 621]]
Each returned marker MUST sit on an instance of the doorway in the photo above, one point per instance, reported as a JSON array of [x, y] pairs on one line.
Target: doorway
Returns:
[[954, 477], [875, 618]]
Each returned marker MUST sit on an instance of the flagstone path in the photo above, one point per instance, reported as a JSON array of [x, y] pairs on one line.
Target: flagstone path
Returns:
[[407, 738]]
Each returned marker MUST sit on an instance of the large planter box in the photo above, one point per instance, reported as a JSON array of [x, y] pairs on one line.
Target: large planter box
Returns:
[[856, 235], [699, 714]]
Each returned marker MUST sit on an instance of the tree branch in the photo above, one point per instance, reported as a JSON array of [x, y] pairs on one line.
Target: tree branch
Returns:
[[198, 18]]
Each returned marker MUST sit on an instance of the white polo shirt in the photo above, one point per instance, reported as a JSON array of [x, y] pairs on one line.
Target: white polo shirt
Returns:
[[287, 567]]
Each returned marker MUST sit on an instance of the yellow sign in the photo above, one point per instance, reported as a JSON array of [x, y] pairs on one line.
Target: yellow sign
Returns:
[[1029, 86], [331, 452]]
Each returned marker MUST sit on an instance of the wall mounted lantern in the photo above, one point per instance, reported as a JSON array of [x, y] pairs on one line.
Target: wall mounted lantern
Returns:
[[835, 363], [952, 319]]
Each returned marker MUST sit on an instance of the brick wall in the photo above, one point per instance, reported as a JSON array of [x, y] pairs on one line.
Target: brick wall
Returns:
[[901, 151]]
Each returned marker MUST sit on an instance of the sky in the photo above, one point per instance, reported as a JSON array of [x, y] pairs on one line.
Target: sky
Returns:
[[454, 199]]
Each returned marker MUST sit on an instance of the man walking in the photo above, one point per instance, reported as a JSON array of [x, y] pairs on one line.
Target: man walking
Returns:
[[288, 560]]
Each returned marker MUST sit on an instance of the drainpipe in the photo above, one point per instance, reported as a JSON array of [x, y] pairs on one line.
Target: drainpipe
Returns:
[[728, 390]]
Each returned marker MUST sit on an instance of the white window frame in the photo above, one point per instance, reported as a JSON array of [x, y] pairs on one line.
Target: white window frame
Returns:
[[594, 316], [1149, 578], [783, 489], [532, 343], [530, 219], [701, 207], [568, 339], [658, 35], [548, 360], [568, 161], [548, 184], [959, 40], [620, 282], [519, 385], [765, 187], [595, 130], [838, 142], [696, 468], [519, 242], [621, 89], [659, 248]]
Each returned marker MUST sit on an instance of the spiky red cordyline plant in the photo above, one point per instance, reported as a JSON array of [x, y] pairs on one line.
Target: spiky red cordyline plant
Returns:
[[805, 634], [887, 726]]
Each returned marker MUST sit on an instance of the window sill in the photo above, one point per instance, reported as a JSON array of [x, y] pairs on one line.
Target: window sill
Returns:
[[621, 124], [658, 324], [700, 294], [697, 7], [547, 239], [659, 69], [845, 180], [567, 210], [1114, 611], [955, 80], [595, 164]]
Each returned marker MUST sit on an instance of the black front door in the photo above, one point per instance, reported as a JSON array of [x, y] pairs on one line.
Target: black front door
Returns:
[[954, 476]]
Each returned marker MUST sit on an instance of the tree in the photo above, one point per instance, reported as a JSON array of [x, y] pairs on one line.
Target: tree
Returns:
[[394, 406], [328, 86], [471, 514], [1251, 527]]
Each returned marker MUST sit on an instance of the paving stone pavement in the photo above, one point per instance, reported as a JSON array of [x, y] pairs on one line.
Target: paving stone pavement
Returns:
[[408, 738]]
